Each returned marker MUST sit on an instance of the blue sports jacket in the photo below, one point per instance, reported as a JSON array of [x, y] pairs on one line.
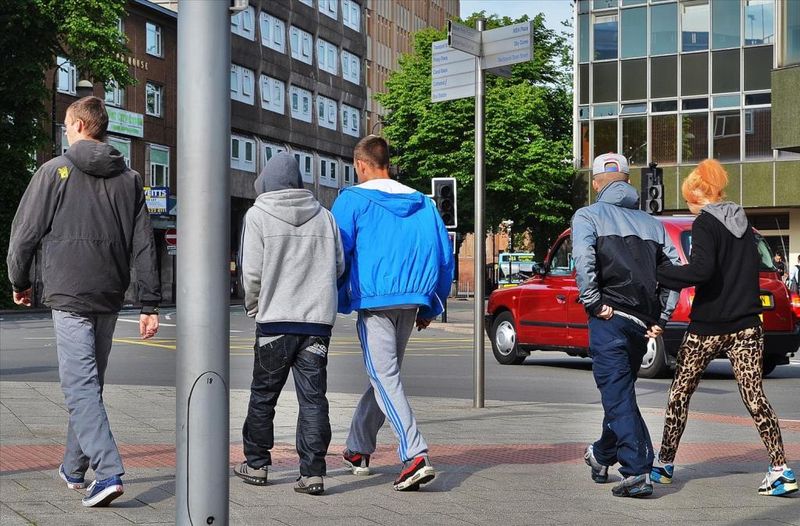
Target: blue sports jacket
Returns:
[[396, 249]]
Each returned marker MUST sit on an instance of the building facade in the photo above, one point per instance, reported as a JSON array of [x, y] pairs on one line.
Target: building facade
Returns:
[[390, 26], [678, 81], [142, 117]]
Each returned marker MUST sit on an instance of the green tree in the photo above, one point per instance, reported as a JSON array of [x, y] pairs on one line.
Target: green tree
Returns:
[[528, 122], [32, 34]]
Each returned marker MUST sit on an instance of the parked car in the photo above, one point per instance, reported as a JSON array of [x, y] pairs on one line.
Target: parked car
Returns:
[[543, 313]]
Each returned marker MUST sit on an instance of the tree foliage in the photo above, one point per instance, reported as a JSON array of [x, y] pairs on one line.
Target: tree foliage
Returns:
[[32, 34], [528, 142]]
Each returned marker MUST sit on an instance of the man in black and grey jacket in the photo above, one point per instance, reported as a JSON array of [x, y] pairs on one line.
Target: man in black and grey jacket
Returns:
[[617, 248], [87, 210]]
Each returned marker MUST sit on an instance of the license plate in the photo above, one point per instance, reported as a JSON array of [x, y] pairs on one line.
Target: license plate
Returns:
[[767, 301]]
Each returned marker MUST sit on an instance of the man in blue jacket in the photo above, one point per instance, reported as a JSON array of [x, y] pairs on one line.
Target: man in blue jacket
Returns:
[[399, 267]]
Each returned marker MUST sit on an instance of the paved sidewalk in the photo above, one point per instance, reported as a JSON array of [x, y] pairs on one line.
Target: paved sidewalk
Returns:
[[511, 463]]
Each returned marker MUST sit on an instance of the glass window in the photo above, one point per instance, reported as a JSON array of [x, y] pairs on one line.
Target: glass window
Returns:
[[115, 96], [585, 155], [726, 101], [605, 136], [758, 68], [583, 84], [634, 79], [159, 165], [694, 104], [634, 140], [627, 3], [791, 34], [694, 25], [123, 146], [629, 109], [605, 82], [153, 39], [583, 112], [562, 262], [664, 77], [694, 135], [725, 71], [605, 110], [757, 133], [583, 37], [725, 23], [664, 139], [726, 135], [663, 106], [300, 44], [243, 23], [754, 99], [67, 76], [154, 99], [583, 6], [604, 4], [664, 29], [273, 32], [351, 14], [694, 74], [758, 22], [605, 37], [634, 32]]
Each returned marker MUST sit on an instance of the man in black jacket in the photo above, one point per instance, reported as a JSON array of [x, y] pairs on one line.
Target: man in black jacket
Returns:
[[87, 210], [617, 248]]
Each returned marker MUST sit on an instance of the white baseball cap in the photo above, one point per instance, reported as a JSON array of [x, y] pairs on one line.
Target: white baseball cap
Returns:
[[610, 162]]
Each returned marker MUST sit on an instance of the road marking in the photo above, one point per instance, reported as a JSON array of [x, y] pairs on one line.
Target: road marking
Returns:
[[144, 344]]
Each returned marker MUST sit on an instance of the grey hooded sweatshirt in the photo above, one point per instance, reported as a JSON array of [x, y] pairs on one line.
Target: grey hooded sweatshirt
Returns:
[[291, 257], [87, 210]]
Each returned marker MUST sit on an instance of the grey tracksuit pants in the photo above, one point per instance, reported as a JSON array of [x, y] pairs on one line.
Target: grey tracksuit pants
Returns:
[[384, 335], [84, 343]]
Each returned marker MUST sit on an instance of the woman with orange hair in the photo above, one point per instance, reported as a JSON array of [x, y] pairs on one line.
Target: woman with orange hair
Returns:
[[724, 320]]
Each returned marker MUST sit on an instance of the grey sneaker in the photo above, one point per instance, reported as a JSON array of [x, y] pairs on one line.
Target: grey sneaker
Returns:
[[257, 477], [599, 471], [310, 485], [634, 486]]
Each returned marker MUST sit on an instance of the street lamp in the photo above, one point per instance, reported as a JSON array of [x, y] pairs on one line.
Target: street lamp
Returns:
[[84, 88], [508, 223]]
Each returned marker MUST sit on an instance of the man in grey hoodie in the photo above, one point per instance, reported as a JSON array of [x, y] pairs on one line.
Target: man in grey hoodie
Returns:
[[87, 210], [291, 259]]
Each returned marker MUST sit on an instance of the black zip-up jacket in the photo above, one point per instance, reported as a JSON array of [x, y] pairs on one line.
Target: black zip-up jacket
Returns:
[[87, 209], [617, 248], [724, 267]]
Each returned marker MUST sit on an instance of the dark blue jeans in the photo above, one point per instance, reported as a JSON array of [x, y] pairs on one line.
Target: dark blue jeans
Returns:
[[307, 357], [617, 347]]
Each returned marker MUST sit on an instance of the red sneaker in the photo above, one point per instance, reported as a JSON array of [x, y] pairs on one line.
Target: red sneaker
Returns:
[[357, 462], [415, 473]]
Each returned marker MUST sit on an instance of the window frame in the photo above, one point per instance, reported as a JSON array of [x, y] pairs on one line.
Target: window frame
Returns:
[[159, 52], [158, 93], [240, 162], [276, 27], [239, 24], [152, 164], [65, 66], [302, 95]]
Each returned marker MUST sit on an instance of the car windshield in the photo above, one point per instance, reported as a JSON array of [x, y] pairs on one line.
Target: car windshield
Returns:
[[764, 252]]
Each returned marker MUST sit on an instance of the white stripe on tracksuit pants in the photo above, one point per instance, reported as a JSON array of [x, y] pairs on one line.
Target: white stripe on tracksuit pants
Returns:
[[383, 335]]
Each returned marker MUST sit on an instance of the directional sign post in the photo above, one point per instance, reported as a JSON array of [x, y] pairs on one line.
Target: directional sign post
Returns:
[[458, 70]]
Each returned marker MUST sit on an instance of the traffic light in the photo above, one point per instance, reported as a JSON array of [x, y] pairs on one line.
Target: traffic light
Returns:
[[652, 200], [444, 196]]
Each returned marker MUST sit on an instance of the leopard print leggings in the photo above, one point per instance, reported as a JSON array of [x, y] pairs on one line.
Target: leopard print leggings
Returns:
[[745, 350]]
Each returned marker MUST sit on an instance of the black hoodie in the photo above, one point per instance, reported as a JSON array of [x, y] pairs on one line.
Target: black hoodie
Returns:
[[87, 210]]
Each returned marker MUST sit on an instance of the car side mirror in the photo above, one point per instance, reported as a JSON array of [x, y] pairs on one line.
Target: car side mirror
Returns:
[[543, 269]]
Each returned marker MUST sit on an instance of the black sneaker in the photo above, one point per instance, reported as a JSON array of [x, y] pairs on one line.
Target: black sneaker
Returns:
[[310, 485], [256, 477], [599, 471], [416, 472], [634, 486], [357, 462]]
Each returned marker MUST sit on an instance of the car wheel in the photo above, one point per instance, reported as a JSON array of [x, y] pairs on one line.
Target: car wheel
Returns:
[[769, 366], [504, 340], [654, 361]]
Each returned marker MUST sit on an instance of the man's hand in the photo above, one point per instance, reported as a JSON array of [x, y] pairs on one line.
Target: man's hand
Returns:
[[23, 298], [655, 331], [605, 313], [422, 323], [148, 325]]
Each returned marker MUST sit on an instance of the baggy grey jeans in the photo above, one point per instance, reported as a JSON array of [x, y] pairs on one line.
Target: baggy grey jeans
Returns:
[[384, 335], [84, 343]]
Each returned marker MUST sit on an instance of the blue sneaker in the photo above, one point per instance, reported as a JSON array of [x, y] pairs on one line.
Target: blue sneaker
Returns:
[[662, 474], [779, 481], [72, 482], [102, 492]]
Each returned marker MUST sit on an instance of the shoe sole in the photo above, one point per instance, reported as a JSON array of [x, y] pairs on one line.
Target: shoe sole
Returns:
[[420, 478], [103, 498], [644, 492], [254, 481], [313, 489], [71, 485], [780, 491], [660, 479], [357, 470], [599, 479]]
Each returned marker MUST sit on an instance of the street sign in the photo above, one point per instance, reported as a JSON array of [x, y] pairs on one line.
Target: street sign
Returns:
[[502, 71], [463, 38], [507, 45], [171, 237], [452, 73]]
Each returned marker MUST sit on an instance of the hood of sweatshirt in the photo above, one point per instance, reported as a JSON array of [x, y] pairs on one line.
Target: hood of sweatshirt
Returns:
[[293, 206], [402, 205], [729, 214], [97, 159], [620, 193], [280, 173]]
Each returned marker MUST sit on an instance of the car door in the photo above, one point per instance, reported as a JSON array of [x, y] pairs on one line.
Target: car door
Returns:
[[543, 304]]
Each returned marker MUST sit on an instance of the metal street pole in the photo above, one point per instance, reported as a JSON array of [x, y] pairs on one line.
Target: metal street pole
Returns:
[[480, 228], [202, 419]]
